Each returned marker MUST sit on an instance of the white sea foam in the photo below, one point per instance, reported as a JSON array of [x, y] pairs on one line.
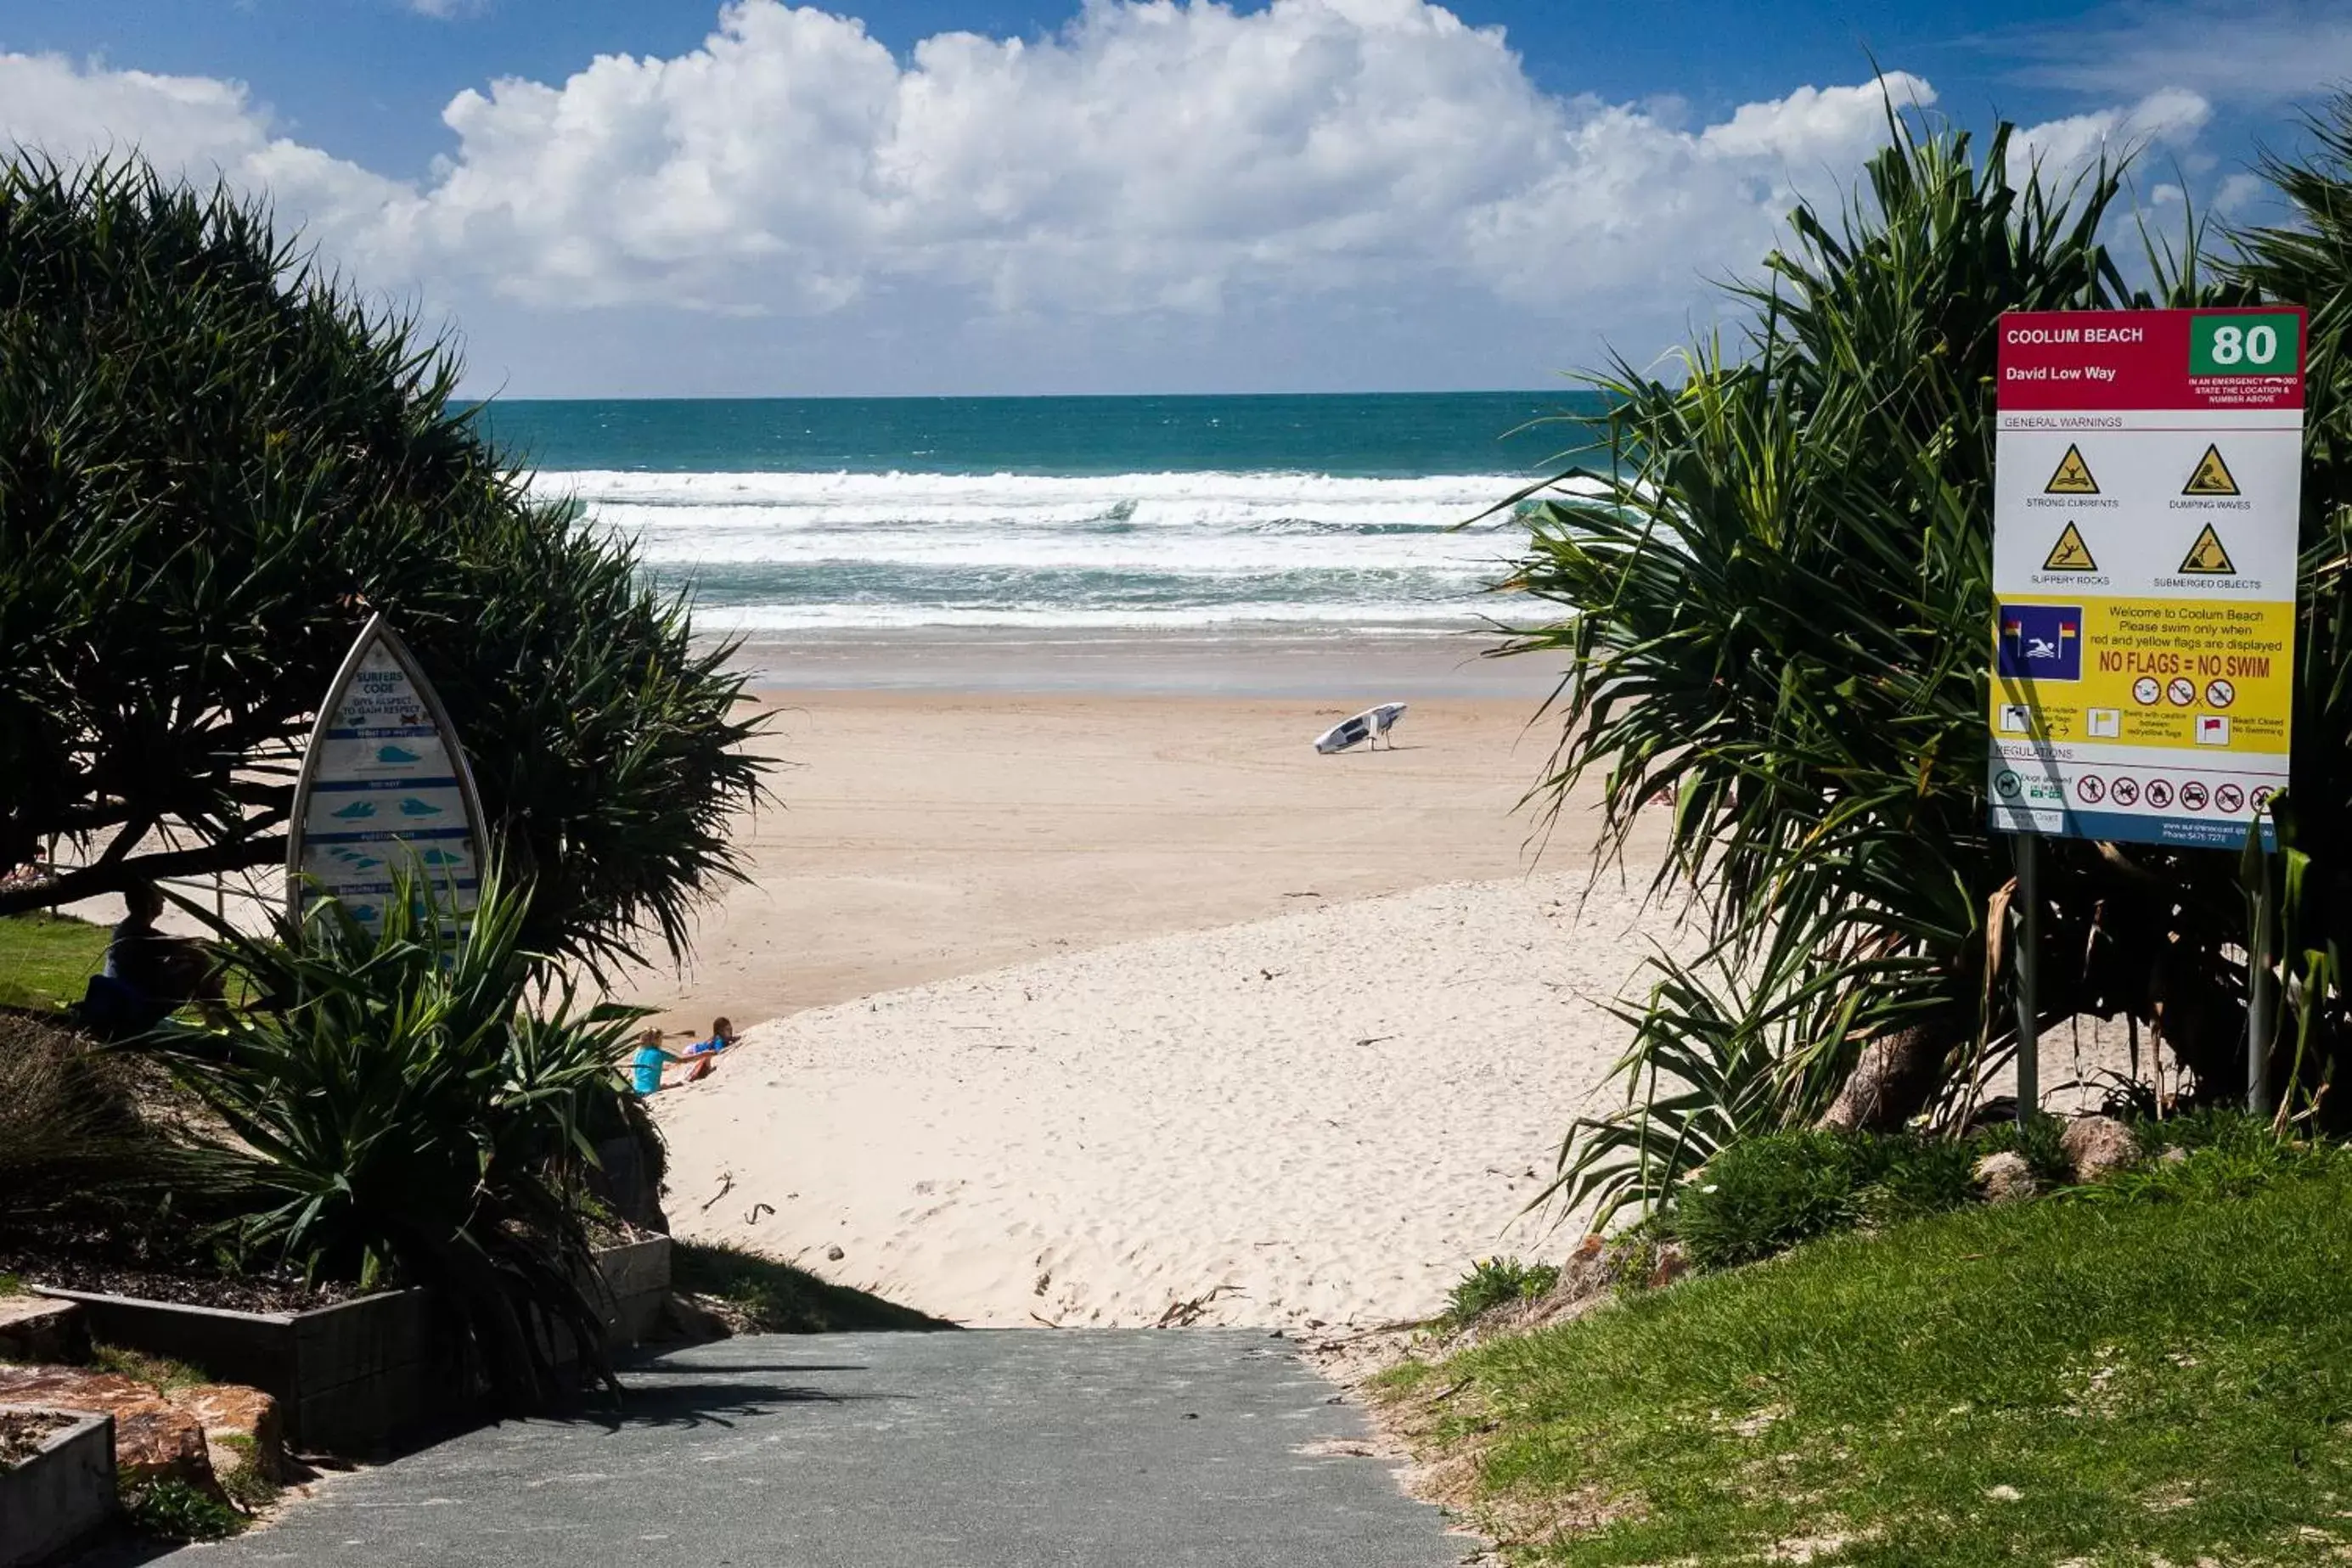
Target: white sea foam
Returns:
[[773, 551], [1369, 617]]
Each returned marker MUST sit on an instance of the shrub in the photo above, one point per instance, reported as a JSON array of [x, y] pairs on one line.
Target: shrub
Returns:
[[75, 1142], [1920, 1177], [412, 1117], [1496, 1282], [2039, 1138], [2238, 1158], [215, 461], [172, 1510], [1765, 1196]]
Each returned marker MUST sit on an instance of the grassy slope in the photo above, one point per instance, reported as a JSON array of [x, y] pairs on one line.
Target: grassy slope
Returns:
[[2164, 1379], [46, 959]]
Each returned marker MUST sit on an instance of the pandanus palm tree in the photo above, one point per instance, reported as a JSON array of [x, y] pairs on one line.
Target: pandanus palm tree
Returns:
[[1775, 628]]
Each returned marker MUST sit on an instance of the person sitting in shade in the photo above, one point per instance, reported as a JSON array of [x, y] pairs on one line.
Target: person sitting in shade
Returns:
[[704, 1053], [148, 976], [646, 1067]]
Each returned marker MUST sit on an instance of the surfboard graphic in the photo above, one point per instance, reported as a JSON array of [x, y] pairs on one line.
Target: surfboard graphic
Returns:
[[384, 784]]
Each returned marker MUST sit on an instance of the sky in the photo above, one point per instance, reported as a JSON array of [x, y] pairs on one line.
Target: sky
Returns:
[[923, 197]]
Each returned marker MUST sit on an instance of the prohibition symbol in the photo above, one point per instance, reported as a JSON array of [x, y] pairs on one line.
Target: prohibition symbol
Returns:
[[2145, 691], [2212, 476], [2091, 788], [2070, 553], [2207, 558], [2182, 690], [2192, 796], [2160, 793], [2220, 693], [2073, 476], [2229, 797], [2260, 797], [2126, 792]]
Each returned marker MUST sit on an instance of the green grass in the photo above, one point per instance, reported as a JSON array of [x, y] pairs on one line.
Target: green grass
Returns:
[[160, 1371], [2103, 1383], [172, 1510], [777, 1298], [1493, 1281], [47, 959]]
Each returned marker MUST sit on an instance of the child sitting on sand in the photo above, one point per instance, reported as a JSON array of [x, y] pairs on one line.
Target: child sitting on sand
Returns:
[[704, 1053]]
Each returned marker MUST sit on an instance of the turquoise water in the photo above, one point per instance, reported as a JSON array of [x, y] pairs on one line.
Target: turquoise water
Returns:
[[1228, 513]]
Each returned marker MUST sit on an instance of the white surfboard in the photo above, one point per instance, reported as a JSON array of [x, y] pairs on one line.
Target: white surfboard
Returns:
[[1370, 725]]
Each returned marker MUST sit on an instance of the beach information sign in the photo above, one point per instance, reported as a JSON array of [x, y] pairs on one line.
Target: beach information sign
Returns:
[[2148, 478], [384, 784]]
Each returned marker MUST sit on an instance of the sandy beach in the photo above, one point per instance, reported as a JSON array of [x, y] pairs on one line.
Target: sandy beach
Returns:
[[1321, 1118], [1093, 1007], [926, 831]]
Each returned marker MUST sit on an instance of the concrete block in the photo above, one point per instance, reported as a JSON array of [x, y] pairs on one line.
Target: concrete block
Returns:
[[60, 1495]]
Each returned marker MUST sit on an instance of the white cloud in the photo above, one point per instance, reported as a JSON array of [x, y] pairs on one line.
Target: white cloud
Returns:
[[191, 126], [2170, 117], [1329, 167]]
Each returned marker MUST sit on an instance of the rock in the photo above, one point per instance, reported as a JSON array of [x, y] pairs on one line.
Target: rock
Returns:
[[2006, 1178], [2096, 1145], [35, 1328], [2175, 1156], [152, 1437], [242, 1427], [834, 1254], [1670, 1265]]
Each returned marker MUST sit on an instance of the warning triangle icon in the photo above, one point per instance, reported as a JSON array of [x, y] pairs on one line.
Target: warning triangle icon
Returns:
[[2212, 476], [2073, 476], [2070, 553], [2207, 557]]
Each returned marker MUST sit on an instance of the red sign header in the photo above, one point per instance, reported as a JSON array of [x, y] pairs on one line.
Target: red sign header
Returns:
[[2247, 357]]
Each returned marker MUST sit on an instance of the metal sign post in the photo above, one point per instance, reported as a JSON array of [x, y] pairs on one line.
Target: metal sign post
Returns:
[[2147, 491]]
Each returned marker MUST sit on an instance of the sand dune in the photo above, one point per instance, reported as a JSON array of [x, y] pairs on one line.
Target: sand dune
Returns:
[[1319, 1118]]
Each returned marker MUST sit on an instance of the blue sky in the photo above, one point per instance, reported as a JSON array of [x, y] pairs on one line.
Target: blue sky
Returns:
[[1301, 194]]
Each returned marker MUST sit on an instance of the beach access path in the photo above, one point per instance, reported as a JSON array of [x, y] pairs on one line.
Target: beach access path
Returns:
[[1189, 1449]]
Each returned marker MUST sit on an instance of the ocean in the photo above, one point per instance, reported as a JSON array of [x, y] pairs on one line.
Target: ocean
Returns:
[[1299, 514]]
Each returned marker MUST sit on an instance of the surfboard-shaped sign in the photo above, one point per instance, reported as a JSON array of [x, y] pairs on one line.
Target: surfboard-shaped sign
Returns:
[[384, 784]]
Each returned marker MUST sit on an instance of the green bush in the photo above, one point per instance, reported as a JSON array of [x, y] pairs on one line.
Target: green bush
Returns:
[[412, 1117], [1767, 1195], [172, 1510], [2235, 1157], [2039, 1138], [1495, 1281], [215, 461], [1919, 1176]]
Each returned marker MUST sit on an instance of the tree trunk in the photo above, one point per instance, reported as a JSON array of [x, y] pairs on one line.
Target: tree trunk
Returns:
[[1898, 1073]]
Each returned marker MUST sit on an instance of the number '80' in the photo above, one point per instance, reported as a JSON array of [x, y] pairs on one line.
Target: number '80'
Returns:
[[2256, 345]]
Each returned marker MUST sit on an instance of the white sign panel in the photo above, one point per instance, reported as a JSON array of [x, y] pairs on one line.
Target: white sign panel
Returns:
[[2146, 494], [383, 786]]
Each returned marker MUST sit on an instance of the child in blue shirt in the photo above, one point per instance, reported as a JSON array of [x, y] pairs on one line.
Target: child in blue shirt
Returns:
[[703, 1052], [646, 1067]]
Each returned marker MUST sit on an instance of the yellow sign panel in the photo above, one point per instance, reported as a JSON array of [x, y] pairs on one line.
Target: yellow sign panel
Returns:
[[2164, 673], [2212, 477], [2070, 553], [2206, 557], [2073, 478]]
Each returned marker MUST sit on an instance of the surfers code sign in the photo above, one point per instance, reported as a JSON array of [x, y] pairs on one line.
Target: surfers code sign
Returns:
[[2147, 480]]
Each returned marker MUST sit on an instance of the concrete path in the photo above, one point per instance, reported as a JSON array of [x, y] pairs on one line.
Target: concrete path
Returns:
[[1174, 1449]]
